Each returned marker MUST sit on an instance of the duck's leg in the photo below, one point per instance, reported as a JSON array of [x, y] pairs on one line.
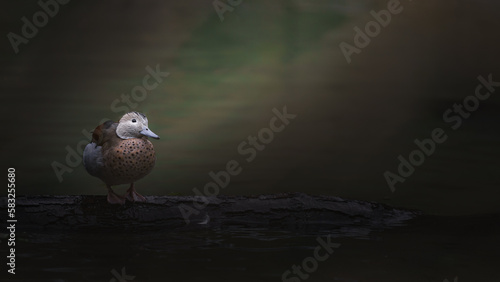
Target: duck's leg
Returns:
[[133, 196], [114, 198]]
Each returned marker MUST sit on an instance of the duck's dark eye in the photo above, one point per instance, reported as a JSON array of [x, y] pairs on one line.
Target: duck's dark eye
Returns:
[[133, 120]]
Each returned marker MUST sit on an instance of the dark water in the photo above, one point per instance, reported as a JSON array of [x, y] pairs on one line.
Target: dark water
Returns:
[[427, 249]]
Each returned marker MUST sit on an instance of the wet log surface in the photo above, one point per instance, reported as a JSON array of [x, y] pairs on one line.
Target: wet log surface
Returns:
[[280, 211]]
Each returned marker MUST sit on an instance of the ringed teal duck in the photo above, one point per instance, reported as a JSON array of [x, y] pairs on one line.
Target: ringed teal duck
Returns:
[[120, 153]]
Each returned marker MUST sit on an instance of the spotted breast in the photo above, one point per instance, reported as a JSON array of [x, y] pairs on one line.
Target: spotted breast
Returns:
[[128, 161]]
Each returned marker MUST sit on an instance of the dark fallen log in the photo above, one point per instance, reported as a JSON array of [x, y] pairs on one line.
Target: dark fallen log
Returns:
[[63, 238], [281, 211]]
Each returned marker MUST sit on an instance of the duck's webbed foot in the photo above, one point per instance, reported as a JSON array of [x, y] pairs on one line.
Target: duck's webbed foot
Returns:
[[133, 196], [114, 198]]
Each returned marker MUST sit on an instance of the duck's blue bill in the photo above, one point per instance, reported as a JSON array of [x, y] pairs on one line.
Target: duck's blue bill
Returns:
[[149, 133]]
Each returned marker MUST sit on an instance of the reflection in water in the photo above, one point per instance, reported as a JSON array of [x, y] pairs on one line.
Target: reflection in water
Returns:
[[428, 249], [355, 119]]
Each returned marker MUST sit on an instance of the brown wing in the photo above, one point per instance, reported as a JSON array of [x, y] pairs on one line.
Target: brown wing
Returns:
[[104, 132]]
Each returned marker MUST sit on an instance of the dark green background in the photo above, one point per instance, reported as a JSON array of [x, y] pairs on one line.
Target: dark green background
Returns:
[[226, 77]]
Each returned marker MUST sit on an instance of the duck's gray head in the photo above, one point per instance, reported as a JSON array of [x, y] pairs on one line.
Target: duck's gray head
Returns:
[[134, 125]]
